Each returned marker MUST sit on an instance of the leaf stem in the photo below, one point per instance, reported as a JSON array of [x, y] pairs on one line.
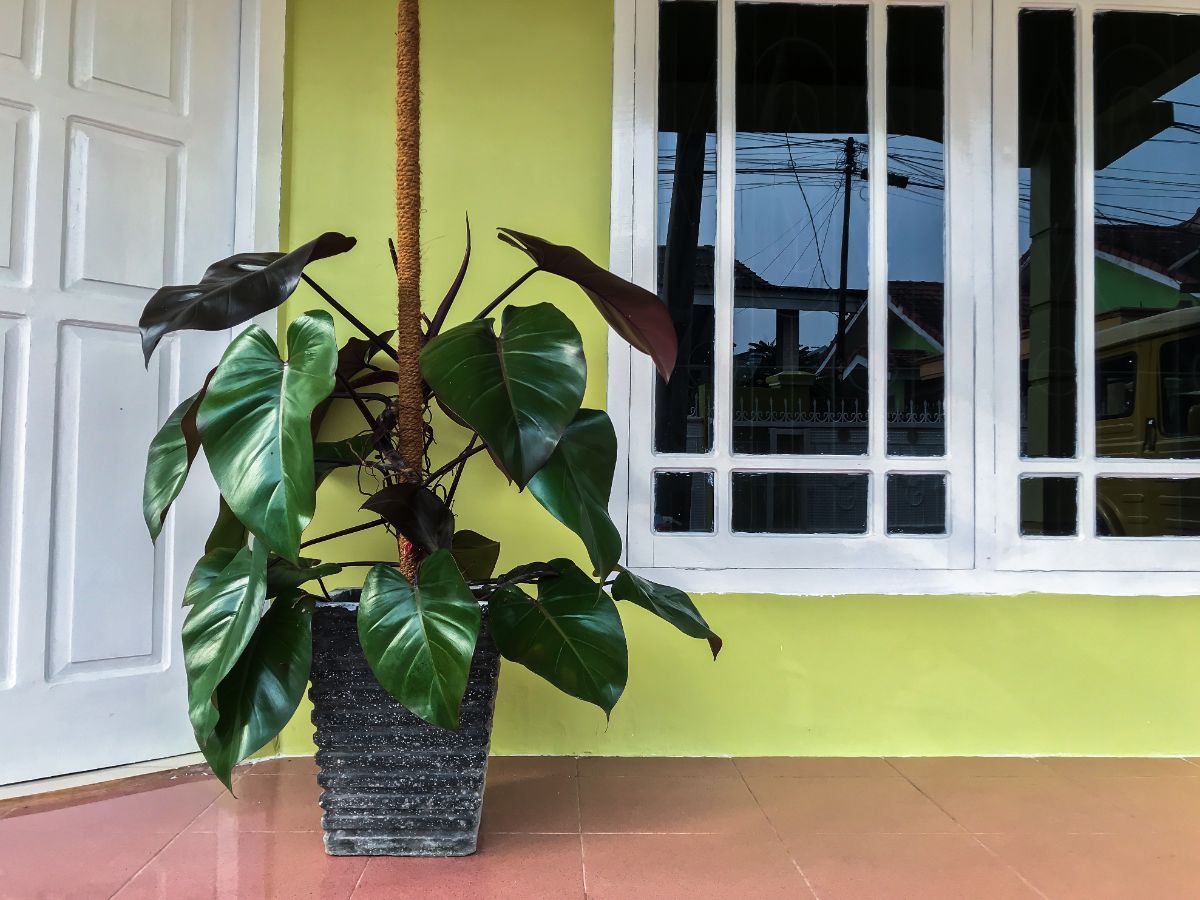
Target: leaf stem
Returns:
[[507, 291], [372, 422], [459, 471], [461, 458], [354, 529], [375, 339], [372, 398]]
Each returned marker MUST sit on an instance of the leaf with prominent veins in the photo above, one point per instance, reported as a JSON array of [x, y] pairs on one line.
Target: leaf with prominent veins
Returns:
[[254, 426]]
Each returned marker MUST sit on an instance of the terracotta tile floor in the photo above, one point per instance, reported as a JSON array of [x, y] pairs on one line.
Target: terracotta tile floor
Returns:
[[832, 829]]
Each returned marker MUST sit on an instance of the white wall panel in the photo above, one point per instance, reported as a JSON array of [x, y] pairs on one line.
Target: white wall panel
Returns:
[[99, 618], [14, 337], [149, 71], [19, 23], [123, 207], [16, 181]]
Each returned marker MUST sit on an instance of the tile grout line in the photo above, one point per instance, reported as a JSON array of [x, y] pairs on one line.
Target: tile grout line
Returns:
[[778, 837], [159, 852], [1020, 875], [579, 815], [986, 849], [358, 882]]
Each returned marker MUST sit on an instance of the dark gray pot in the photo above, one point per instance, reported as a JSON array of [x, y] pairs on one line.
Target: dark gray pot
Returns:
[[395, 785]]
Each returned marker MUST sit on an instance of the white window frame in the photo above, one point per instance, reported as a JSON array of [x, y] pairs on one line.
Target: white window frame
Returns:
[[982, 551]]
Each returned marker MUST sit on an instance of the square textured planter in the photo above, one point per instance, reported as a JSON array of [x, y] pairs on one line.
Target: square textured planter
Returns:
[[394, 785]]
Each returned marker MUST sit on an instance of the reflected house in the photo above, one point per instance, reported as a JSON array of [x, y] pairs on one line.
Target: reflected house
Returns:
[[787, 398], [1147, 319], [1146, 269]]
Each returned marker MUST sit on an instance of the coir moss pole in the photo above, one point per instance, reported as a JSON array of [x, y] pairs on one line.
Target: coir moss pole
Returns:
[[410, 399]]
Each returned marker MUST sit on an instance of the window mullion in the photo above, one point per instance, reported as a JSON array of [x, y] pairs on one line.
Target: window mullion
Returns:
[[724, 256], [877, 284], [1086, 275]]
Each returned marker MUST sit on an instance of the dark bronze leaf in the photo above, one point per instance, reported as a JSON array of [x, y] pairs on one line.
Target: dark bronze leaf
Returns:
[[415, 512], [233, 291], [633, 312]]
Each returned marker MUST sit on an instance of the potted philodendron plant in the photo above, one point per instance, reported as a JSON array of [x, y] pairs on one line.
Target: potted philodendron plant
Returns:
[[404, 670]]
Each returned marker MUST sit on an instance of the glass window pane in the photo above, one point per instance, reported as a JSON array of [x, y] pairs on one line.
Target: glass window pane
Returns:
[[1047, 160], [916, 177], [683, 501], [1049, 506], [1147, 507], [916, 504], [801, 222], [1147, 231], [799, 503], [687, 188]]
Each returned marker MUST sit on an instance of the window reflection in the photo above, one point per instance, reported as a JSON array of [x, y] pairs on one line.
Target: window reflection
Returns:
[[1047, 175], [1148, 507], [1147, 267], [1049, 506], [916, 504], [687, 187], [799, 503], [683, 502], [916, 177], [801, 223]]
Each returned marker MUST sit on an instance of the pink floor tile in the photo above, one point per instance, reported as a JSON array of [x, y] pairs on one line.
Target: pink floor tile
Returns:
[[247, 865], [689, 867], [679, 767], [507, 867], [668, 804], [1105, 866], [918, 866], [1024, 805], [921, 767], [70, 863], [801, 806], [287, 765], [930, 830], [531, 795], [1119, 767], [816, 766], [266, 803]]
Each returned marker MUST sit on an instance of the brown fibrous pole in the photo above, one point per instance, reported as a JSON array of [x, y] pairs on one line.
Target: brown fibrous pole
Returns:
[[410, 426]]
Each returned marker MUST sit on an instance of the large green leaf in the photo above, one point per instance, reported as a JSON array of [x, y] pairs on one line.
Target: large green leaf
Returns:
[[576, 481], [207, 570], [633, 312], [520, 390], [571, 635], [416, 513], [217, 629], [168, 462], [254, 425], [233, 291], [227, 531], [475, 554], [419, 640], [668, 603], [263, 689]]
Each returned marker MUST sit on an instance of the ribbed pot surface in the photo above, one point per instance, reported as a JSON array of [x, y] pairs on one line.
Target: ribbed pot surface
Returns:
[[395, 785]]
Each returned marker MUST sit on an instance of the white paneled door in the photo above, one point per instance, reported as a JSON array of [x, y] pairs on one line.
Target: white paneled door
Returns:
[[118, 147]]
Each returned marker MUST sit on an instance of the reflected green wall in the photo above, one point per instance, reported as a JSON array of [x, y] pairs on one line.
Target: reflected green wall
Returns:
[[516, 131]]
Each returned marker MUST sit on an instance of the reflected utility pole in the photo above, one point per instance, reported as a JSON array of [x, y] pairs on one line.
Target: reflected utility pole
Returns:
[[839, 355]]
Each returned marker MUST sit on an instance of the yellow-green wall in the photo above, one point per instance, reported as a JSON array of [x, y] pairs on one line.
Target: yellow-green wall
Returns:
[[516, 132]]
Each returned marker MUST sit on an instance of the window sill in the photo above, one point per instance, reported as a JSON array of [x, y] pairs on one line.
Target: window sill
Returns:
[[932, 582]]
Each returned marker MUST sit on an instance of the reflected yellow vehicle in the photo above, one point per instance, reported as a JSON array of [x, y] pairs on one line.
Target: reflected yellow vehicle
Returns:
[[1148, 407]]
